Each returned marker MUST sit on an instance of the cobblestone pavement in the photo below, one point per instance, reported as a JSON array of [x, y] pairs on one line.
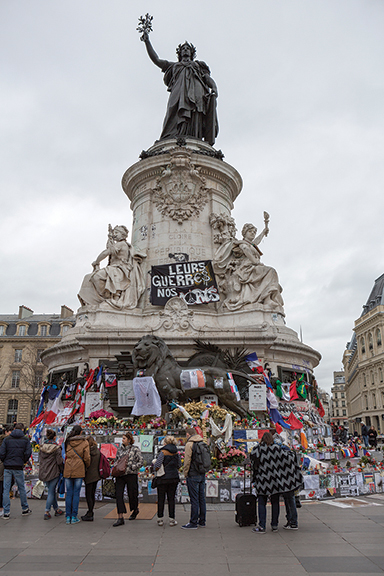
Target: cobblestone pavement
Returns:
[[331, 540]]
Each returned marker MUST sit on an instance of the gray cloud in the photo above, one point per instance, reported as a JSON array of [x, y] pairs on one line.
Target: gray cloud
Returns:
[[301, 113]]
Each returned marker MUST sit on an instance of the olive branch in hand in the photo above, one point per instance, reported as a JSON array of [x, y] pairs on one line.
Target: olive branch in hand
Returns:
[[145, 26]]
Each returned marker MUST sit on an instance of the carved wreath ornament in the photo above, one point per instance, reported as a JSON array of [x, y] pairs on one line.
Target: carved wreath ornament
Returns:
[[180, 191]]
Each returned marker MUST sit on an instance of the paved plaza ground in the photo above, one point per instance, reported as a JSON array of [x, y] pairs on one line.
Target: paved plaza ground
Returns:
[[331, 540]]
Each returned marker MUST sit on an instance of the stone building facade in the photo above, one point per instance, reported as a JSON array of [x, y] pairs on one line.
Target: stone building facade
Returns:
[[339, 407], [23, 338], [363, 362], [326, 402]]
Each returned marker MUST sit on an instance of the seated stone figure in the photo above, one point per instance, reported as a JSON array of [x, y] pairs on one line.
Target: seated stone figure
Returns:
[[121, 283], [243, 279]]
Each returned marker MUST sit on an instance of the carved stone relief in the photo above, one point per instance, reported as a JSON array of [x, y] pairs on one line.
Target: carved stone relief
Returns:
[[180, 191]]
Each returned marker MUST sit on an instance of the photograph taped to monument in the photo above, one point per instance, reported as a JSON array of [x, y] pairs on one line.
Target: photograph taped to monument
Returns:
[[194, 282]]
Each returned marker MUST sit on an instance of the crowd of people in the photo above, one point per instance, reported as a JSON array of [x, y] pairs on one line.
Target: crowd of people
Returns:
[[276, 475], [369, 434]]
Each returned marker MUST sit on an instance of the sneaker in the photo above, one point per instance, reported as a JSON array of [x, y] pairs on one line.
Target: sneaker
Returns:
[[189, 526], [74, 520], [289, 527], [160, 522], [172, 522], [6, 516], [26, 512], [1, 512], [68, 521], [59, 512], [258, 530], [201, 525], [47, 516], [274, 529]]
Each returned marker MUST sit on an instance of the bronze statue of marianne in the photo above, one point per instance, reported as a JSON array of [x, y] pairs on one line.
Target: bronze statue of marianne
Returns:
[[191, 107]]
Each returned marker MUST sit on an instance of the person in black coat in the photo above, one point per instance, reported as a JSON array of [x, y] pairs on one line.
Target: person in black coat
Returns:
[[372, 437], [169, 459], [15, 451]]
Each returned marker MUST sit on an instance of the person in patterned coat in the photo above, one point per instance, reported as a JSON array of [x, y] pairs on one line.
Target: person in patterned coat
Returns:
[[130, 479], [275, 471]]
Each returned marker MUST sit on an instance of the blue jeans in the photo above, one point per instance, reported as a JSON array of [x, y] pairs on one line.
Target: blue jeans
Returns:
[[262, 507], [19, 478], [72, 486], [366, 442], [51, 498], [196, 491], [290, 508]]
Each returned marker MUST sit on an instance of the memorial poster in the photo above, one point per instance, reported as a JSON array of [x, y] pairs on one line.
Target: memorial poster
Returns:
[[194, 282], [258, 397], [125, 394]]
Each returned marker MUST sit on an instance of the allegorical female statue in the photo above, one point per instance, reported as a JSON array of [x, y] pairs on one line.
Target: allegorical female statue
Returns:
[[243, 279], [191, 107], [121, 283]]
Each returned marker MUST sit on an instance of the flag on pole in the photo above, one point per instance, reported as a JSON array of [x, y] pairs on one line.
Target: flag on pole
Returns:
[[55, 408]]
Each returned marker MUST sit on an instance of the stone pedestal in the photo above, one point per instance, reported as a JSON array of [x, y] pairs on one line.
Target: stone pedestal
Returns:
[[173, 191]]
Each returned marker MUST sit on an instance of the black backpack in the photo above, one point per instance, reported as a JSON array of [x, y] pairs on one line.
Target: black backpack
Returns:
[[201, 457]]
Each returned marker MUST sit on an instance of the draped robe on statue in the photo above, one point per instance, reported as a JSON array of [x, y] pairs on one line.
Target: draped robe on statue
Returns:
[[120, 283], [245, 280], [191, 108]]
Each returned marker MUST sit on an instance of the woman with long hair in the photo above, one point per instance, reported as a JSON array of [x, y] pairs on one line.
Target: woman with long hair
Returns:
[[129, 479], [169, 458], [77, 460]]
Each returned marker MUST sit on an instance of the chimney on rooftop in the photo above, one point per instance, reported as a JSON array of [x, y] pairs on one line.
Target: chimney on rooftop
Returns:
[[66, 312], [25, 312]]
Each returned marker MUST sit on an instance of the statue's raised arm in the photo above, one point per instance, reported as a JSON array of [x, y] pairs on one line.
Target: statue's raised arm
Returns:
[[191, 110]]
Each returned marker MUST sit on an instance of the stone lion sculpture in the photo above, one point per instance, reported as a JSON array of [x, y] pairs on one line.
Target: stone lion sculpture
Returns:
[[153, 355]]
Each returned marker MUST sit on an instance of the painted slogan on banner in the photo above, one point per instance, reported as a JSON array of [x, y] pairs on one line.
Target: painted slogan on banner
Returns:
[[194, 282]]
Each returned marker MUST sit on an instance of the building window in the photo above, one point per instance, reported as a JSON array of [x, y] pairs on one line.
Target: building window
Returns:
[[64, 329], [2, 330], [378, 336], [362, 344], [337, 412], [12, 411], [18, 355], [365, 380], [342, 395], [38, 355], [38, 379], [22, 330], [372, 379], [370, 341], [343, 403], [43, 330], [366, 402], [381, 375], [344, 412], [16, 379], [374, 401]]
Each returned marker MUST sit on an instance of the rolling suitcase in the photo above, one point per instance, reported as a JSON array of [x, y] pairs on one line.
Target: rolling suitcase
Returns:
[[246, 506]]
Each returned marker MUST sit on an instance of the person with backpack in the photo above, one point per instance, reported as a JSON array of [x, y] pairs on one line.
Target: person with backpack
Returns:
[[197, 461], [92, 476], [169, 459]]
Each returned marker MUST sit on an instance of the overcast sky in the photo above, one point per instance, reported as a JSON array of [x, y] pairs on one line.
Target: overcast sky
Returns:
[[301, 113]]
